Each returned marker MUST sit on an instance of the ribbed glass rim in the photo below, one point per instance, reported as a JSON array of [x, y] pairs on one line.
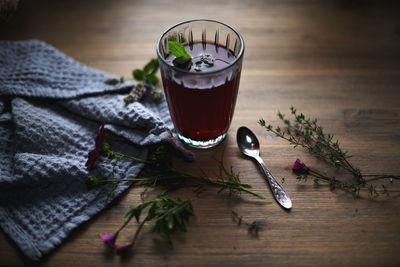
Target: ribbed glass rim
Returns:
[[240, 54]]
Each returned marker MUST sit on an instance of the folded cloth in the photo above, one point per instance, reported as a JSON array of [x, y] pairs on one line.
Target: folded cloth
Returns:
[[51, 108]]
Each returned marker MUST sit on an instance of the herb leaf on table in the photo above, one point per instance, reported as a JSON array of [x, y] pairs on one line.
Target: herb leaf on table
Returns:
[[146, 78], [164, 214], [307, 133]]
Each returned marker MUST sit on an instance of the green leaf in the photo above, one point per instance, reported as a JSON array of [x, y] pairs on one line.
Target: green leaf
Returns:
[[161, 228], [170, 221], [152, 212], [151, 79], [182, 62], [137, 212], [178, 219], [138, 75], [112, 81], [178, 50], [151, 67]]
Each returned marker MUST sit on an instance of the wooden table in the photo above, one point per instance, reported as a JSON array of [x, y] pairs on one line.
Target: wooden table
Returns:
[[335, 60]]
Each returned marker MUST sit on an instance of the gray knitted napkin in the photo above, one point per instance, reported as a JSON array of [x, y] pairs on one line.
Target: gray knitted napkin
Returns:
[[50, 111]]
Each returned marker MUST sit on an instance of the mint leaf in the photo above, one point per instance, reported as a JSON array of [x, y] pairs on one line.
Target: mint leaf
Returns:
[[151, 67], [178, 50], [182, 62], [139, 75], [152, 79]]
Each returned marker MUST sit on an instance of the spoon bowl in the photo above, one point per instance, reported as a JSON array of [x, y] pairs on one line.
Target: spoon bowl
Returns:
[[249, 146], [248, 142]]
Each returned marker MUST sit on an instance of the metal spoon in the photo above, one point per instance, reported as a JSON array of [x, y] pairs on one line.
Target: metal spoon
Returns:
[[248, 145]]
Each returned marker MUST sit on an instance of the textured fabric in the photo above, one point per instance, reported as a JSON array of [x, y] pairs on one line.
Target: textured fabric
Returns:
[[50, 111], [34, 68]]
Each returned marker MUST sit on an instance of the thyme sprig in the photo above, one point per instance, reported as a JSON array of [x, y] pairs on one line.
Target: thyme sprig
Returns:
[[163, 213], [306, 133], [160, 172], [305, 172]]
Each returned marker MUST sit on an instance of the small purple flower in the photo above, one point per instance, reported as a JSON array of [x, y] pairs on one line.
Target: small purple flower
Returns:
[[124, 247], [298, 165], [108, 239]]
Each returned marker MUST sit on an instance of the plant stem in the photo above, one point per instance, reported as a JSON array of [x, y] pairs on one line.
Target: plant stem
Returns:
[[379, 177], [131, 158], [138, 231], [184, 176]]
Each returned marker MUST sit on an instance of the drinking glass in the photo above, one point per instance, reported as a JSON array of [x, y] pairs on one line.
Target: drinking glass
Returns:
[[201, 103]]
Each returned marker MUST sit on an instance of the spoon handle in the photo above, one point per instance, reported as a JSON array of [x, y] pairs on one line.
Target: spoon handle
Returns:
[[280, 195]]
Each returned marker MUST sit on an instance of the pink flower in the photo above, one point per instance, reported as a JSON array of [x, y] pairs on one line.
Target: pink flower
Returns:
[[298, 165], [95, 153], [124, 247], [108, 239]]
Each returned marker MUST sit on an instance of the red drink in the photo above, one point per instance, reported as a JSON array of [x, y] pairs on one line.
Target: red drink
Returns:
[[202, 108], [201, 88]]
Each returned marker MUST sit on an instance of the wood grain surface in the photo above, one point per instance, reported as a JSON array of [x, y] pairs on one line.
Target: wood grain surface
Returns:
[[338, 61]]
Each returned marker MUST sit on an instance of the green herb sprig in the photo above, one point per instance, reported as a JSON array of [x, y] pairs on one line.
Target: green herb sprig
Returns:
[[182, 57], [147, 74], [160, 172], [164, 214], [373, 190], [146, 78], [306, 133]]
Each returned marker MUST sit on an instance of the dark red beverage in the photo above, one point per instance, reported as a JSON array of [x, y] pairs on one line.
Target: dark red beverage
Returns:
[[202, 99]]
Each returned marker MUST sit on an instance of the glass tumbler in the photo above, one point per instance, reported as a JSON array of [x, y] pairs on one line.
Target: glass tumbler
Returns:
[[202, 102]]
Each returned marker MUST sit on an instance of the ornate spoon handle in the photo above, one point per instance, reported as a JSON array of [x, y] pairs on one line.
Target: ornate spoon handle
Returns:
[[280, 195]]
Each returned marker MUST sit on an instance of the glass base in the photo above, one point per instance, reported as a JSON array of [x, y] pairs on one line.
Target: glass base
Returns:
[[202, 144]]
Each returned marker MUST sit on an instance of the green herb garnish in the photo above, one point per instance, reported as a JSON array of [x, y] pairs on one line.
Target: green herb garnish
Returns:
[[178, 50], [183, 60]]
